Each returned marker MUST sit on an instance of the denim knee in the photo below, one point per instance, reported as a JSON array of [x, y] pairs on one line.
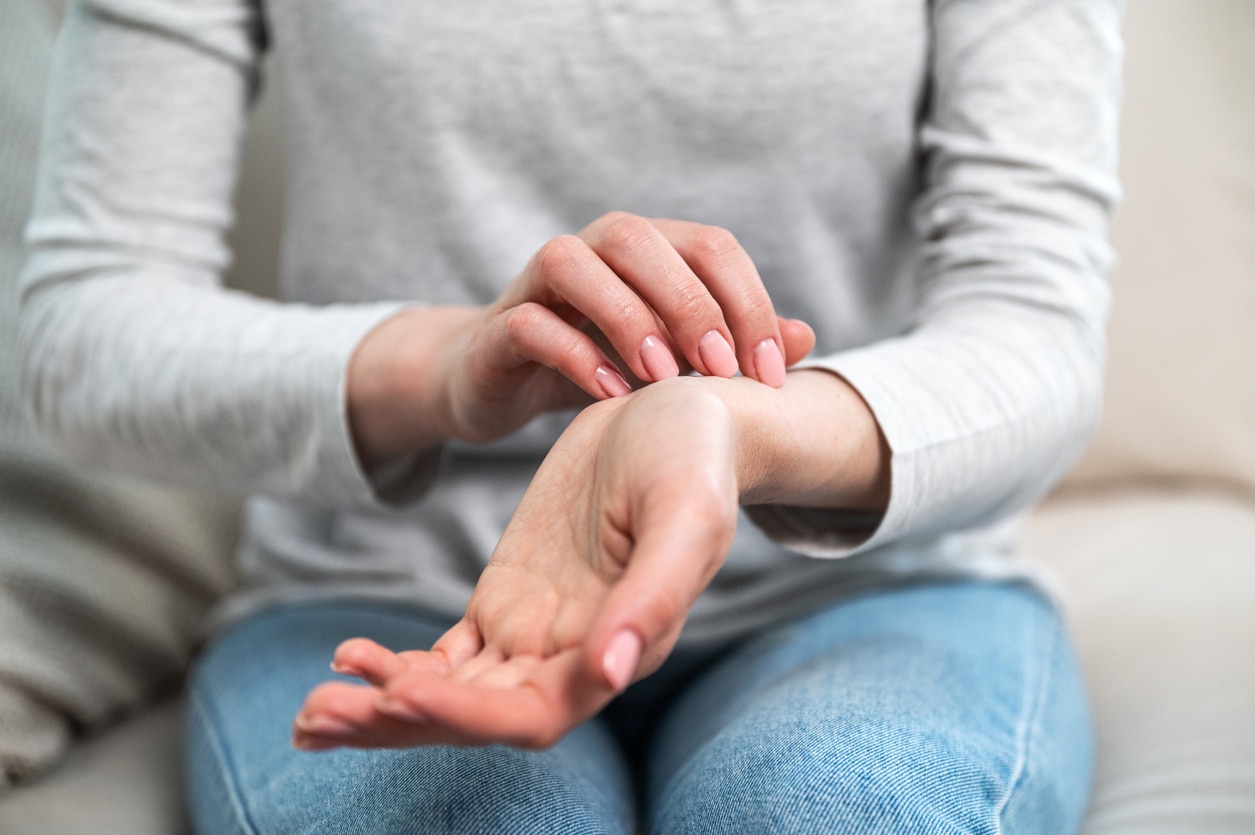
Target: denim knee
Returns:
[[935, 710], [442, 790], [836, 780], [245, 777]]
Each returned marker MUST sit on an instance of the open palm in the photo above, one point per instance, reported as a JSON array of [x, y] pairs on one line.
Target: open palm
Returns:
[[626, 522]]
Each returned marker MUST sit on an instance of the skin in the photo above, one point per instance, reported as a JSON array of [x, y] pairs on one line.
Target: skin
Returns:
[[625, 298], [632, 511]]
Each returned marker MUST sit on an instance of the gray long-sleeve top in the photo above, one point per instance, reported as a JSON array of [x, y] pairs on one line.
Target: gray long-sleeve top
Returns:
[[926, 183]]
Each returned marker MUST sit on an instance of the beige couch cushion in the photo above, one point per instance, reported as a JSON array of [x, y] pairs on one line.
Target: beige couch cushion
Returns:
[[1181, 391], [102, 582], [1164, 614], [126, 782]]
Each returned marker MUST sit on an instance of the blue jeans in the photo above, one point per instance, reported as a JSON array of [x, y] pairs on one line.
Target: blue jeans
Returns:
[[940, 708]]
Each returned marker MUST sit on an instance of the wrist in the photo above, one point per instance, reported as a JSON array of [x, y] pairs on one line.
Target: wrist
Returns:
[[813, 442], [397, 393]]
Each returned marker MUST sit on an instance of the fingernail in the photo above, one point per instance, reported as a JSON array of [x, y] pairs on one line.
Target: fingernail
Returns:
[[326, 726], [717, 355], [400, 710], [769, 363], [304, 743], [658, 360], [345, 670], [621, 658], [611, 381]]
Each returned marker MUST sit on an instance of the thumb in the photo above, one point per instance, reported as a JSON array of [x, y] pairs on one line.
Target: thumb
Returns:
[[640, 621], [798, 338]]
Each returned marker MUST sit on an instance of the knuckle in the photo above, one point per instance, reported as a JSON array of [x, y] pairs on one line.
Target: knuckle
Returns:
[[558, 255], [611, 217], [621, 315], [714, 244], [723, 517], [692, 304], [756, 307], [666, 608], [521, 319], [627, 232]]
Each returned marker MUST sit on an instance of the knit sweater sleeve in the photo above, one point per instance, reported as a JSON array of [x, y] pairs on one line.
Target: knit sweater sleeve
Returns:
[[992, 391], [134, 357]]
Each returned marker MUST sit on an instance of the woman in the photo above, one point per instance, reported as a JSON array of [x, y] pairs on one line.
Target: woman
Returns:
[[927, 184]]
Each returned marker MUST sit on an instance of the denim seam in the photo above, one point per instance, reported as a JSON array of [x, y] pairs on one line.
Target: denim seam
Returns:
[[208, 717], [1027, 726]]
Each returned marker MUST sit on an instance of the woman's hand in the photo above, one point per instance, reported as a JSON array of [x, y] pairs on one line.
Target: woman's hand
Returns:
[[659, 295], [625, 524]]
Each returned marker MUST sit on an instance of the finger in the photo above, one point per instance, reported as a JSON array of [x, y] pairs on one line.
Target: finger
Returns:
[[534, 333], [337, 709], [567, 273], [365, 659], [799, 340], [797, 336], [459, 644], [535, 714], [641, 256], [727, 271], [507, 674], [337, 715], [678, 551], [488, 658], [368, 660]]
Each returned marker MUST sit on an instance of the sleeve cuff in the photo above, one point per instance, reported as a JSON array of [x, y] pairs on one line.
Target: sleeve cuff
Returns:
[[833, 533], [335, 475]]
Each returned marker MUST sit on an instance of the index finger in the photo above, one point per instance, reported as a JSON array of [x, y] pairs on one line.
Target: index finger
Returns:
[[703, 288], [729, 274]]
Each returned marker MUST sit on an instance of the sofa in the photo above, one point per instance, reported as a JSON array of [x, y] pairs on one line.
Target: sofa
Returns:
[[103, 581]]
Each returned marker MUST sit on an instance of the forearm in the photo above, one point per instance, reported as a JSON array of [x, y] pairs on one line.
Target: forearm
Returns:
[[813, 443], [155, 377], [395, 395]]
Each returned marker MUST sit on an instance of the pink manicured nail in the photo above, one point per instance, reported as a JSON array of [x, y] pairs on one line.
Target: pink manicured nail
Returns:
[[611, 381], [769, 363], [400, 710], [327, 726], [717, 355], [346, 670], [658, 360], [622, 656]]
